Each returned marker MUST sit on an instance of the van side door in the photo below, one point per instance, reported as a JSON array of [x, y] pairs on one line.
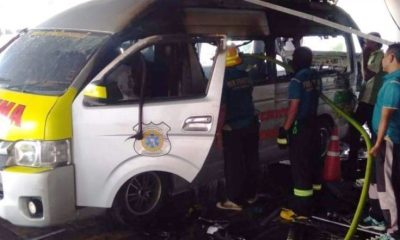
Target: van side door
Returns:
[[180, 97]]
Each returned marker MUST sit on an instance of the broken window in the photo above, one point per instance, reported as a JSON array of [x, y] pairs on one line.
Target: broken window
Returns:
[[330, 54], [254, 59], [46, 62], [171, 70]]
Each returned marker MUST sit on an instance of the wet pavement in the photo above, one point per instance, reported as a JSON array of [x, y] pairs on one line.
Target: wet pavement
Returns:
[[194, 216]]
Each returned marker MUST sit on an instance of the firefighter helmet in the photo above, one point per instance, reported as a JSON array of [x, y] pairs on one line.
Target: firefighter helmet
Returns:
[[232, 56]]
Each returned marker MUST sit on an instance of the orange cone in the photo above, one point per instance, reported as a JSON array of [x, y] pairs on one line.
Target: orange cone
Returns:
[[332, 160]]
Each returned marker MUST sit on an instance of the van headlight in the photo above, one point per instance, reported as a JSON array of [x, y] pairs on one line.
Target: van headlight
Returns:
[[40, 154]]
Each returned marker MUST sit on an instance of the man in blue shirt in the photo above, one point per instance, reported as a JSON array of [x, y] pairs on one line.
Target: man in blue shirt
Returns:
[[301, 129], [240, 135], [386, 150]]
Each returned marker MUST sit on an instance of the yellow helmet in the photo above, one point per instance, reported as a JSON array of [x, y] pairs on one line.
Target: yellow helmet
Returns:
[[232, 56]]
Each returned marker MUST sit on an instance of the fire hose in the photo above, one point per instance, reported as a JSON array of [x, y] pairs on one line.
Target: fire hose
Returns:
[[364, 134], [364, 191]]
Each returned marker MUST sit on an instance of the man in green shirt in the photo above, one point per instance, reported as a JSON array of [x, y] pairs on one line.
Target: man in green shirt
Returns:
[[372, 71]]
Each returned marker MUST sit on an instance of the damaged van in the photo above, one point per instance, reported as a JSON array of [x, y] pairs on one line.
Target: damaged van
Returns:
[[115, 104]]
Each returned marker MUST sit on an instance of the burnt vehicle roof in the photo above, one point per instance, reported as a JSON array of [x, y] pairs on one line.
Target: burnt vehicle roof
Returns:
[[298, 26], [293, 25], [114, 16], [109, 16]]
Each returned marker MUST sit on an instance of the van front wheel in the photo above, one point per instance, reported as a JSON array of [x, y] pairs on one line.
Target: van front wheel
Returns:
[[141, 196]]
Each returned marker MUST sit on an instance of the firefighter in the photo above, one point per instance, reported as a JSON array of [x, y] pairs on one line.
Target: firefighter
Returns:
[[300, 132], [239, 135]]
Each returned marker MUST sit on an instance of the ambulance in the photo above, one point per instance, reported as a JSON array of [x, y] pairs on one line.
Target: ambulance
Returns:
[[115, 104]]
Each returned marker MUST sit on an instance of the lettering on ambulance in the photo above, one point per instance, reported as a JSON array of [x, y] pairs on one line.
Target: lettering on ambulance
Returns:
[[273, 114], [270, 115], [8, 110], [269, 133], [239, 83], [263, 116]]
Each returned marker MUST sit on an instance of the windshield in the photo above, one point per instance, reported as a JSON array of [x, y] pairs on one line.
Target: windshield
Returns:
[[46, 62]]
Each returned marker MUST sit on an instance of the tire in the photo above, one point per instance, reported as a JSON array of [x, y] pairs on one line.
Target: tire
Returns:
[[139, 200]]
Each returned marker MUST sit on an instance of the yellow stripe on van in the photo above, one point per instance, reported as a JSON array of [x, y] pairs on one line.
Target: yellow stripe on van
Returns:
[[26, 116], [23, 115], [59, 121], [27, 170]]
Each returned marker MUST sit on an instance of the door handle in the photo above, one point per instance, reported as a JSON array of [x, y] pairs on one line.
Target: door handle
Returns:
[[198, 124]]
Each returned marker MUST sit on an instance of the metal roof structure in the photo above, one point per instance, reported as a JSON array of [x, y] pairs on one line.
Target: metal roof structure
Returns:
[[113, 16], [109, 16]]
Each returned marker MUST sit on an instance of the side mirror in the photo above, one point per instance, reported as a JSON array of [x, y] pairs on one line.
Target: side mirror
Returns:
[[96, 93]]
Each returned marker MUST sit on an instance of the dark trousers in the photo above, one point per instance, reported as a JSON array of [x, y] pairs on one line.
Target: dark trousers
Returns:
[[241, 162], [362, 115], [384, 189], [306, 165]]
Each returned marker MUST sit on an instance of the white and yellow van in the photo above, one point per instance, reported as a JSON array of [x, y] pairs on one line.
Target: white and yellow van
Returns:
[[115, 103]]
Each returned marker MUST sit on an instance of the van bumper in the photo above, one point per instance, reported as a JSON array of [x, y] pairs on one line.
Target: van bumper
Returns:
[[54, 189]]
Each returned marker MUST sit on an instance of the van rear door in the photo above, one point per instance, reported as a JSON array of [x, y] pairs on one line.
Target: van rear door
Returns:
[[181, 90]]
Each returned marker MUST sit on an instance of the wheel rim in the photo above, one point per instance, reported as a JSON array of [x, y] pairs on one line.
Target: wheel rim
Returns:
[[143, 193]]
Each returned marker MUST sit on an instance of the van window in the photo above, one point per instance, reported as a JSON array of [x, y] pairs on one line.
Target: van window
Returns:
[[206, 53], [325, 43], [46, 62], [173, 70], [280, 70], [254, 62], [329, 54], [284, 50]]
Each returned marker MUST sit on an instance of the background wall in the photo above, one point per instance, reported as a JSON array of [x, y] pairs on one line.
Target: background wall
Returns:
[[372, 16], [394, 8], [18, 14]]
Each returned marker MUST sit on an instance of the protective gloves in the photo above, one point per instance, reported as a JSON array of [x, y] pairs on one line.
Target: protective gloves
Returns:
[[282, 139]]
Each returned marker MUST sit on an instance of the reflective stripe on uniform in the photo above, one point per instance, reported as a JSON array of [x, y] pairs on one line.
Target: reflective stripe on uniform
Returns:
[[334, 138], [281, 141], [333, 154], [317, 187], [302, 192]]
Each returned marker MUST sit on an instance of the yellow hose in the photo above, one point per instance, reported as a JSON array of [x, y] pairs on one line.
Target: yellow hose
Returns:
[[355, 124], [286, 66], [364, 192]]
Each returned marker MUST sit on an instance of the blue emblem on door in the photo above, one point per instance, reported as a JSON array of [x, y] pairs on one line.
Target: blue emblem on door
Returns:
[[155, 140]]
